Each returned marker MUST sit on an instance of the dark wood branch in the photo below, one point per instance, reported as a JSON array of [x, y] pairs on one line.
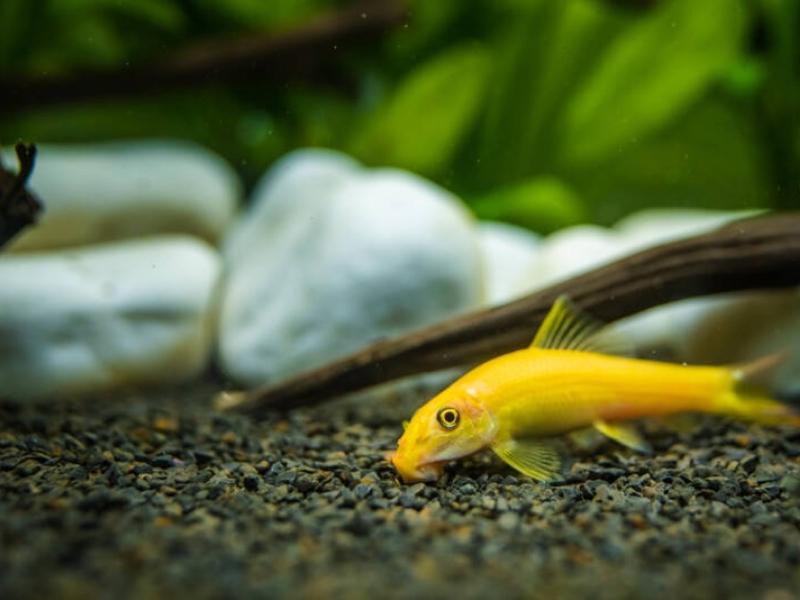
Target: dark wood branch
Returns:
[[19, 208], [298, 54], [749, 254]]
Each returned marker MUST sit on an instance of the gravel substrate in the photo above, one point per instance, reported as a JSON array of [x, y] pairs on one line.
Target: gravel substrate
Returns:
[[159, 496]]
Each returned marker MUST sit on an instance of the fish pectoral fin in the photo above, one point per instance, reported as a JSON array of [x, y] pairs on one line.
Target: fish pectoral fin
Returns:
[[624, 434], [531, 457], [566, 328]]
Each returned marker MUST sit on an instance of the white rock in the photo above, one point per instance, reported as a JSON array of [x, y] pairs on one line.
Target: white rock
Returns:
[[573, 251], [87, 320], [667, 331], [510, 255], [296, 178], [662, 225], [336, 257], [121, 190], [578, 249]]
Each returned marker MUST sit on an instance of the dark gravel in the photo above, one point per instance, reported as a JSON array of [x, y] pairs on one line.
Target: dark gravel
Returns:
[[161, 497]]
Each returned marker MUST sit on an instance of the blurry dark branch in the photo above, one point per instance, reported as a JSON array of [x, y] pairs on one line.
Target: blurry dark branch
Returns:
[[307, 52], [19, 208], [748, 254]]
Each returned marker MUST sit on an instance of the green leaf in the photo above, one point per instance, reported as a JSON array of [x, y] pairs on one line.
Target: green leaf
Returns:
[[18, 23], [428, 22], [420, 126], [543, 204], [318, 118], [544, 54], [745, 77], [210, 117], [73, 34], [708, 158], [651, 73], [781, 96]]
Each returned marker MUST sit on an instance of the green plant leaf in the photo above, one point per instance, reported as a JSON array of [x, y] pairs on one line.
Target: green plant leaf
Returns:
[[420, 125], [543, 204], [16, 20], [213, 118], [651, 73], [543, 55], [73, 34], [780, 97], [427, 26], [708, 158]]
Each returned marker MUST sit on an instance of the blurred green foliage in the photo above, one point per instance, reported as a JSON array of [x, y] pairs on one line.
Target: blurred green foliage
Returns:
[[539, 112]]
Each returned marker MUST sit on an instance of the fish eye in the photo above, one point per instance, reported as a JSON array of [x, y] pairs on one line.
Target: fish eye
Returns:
[[448, 418]]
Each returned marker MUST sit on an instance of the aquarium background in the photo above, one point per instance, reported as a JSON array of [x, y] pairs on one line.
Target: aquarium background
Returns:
[[163, 286], [540, 113]]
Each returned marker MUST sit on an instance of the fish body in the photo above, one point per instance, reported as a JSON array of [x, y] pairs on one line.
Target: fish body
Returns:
[[539, 392], [564, 382]]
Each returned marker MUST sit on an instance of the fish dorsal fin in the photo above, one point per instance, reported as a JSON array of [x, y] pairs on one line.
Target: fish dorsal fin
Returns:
[[531, 457], [624, 434], [567, 328]]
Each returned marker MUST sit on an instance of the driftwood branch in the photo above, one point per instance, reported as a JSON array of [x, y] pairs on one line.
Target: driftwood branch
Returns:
[[299, 54], [749, 254], [19, 208]]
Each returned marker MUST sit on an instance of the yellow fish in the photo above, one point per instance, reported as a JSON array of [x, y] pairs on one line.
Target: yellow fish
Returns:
[[569, 379]]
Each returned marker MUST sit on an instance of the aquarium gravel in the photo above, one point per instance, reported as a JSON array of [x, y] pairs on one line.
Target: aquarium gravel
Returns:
[[157, 495]]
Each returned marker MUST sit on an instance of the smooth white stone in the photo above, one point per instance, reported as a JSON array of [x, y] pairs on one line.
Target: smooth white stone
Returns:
[[337, 257], [666, 332], [113, 191], [510, 255], [662, 225], [573, 251], [101, 317], [579, 249], [292, 184]]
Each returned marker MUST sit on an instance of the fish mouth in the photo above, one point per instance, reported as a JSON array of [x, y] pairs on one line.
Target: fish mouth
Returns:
[[422, 471]]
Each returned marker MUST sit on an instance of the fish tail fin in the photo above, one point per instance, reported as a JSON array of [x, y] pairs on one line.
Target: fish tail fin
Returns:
[[759, 372], [759, 408], [748, 397]]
